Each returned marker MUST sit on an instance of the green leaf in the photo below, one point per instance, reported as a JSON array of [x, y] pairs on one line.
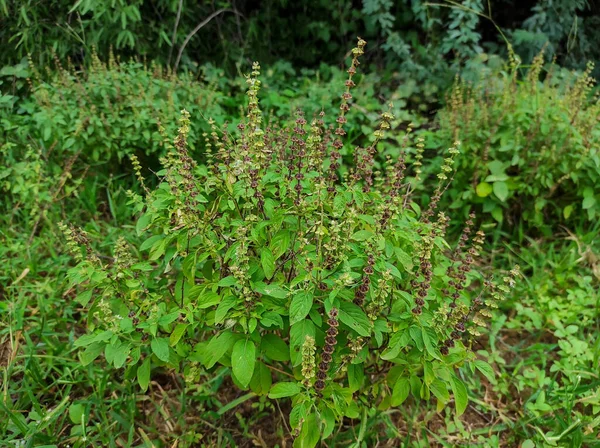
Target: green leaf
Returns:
[[86, 339], [84, 298], [588, 202], [271, 290], [217, 347], [160, 347], [309, 434], [243, 360], [300, 306], [151, 242], [281, 390], [439, 389], [76, 412], [275, 348], [567, 211], [461, 399], [227, 281], [91, 352], [261, 380], [362, 235], [397, 342], [168, 318], [207, 299], [355, 318], [417, 336], [401, 391], [224, 306], [117, 354], [268, 262], [356, 376], [143, 374], [280, 243], [500, 190], [298, 333], [486, 370], [177, 333], [483, 189], [271, 318], [429, 338], [498, 214], [404, 259]]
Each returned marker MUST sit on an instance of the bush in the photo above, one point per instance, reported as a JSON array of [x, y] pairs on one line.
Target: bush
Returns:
[[531, 146], [264, 262]]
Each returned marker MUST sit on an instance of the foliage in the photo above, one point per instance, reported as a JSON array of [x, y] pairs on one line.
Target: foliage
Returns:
[[546, 347], [259, 260], [567, 27], [69, 124], [531, 146]]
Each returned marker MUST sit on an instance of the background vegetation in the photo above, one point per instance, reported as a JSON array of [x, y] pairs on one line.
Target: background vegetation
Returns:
[[86, 85]]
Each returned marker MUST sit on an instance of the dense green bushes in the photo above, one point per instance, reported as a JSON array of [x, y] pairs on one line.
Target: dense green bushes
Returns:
[[426, 42], [161, 311], [531, 146]]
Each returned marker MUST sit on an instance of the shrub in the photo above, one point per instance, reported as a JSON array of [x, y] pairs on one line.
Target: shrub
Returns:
[[110, 110], [531, 146], [265, 262]]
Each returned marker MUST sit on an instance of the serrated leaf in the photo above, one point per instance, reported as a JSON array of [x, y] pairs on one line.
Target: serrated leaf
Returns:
[[355, 318], [143, 374], [429, 339], [207, 299], [224, 306], [275, 348], [440, 391], [362, 235], [267, 261], [84, 298], [177, 333], [280, 244], [284, 389], [486, 370], [217, 347], [227, 281], [261, 380], [91, 352], [117, 354], [404, 259], [417, 336], [160, 347], [300, 306], [298, 333], [243, 360], [309, 434], [271, 290], [461, 398]]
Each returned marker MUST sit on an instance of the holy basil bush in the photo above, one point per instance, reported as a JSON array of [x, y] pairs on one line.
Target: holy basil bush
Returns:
[[530, 145], [340, 294]]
